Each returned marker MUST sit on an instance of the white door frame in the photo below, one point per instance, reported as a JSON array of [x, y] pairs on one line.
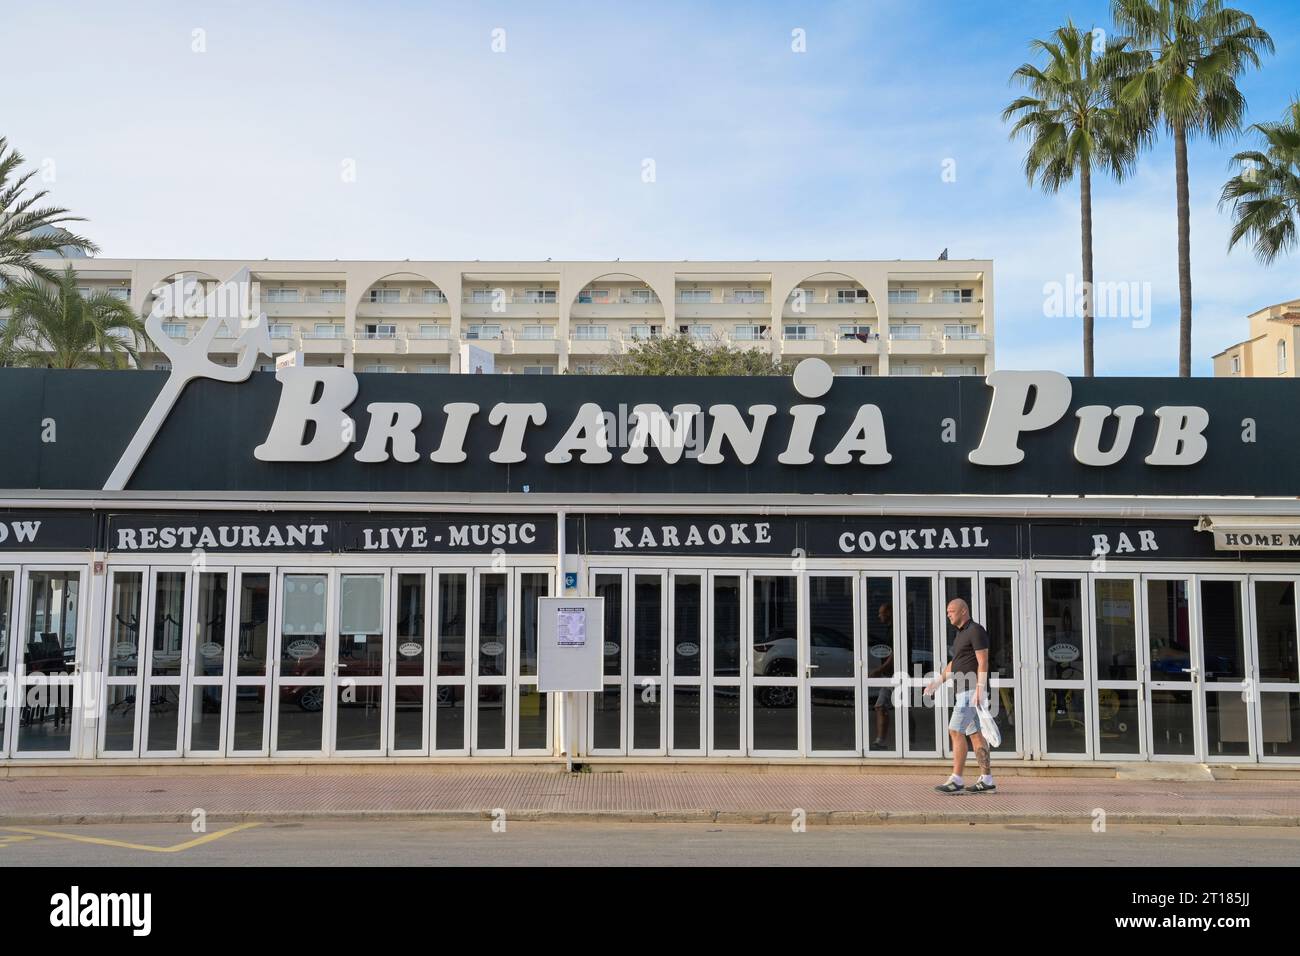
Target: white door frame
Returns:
[[809, 677]]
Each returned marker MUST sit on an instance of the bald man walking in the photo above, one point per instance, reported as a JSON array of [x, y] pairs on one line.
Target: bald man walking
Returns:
[[970, 669]]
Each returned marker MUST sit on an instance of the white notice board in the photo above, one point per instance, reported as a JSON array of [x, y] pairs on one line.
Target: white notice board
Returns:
[[570, 643]]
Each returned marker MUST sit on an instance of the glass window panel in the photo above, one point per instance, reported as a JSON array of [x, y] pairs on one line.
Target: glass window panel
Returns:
[[830, 604], [205, 717], [775, 626], [491, 717], [610, 587], [686, 626], [1279, 725], [168, 625], [302, 644], [6, 619], [411, 635], [776, 718], [607, 718], [1222, 634], [1000, 621], [408, 717], [449, 717], [123, 626], [49, 642], [250, 714], [645, 717], [300, 724], [210, 625], [1275, 631], [492, 639], [452, 606], [880, 627], [726, 718], [119, 719], [726, 627], [918, 626], [532, 718], [1227, 724], [254, 616], [359, 718], [1116, 632], [361, 604], [1171, 722], [1004, 714], [532, 587], [833, 713], [686, 719], [1117, 716], [1062, 630], [1067, 729], [164, 717], [1168, 630], [647, 625]]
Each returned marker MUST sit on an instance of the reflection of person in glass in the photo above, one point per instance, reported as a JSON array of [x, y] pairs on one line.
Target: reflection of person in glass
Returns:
[[884, 705], [969, 666]]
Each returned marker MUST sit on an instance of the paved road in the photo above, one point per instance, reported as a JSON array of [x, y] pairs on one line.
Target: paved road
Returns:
[[682, 844]]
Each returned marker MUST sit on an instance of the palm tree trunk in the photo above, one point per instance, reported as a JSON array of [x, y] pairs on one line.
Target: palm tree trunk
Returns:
[[1184, 254], [1085, 222]]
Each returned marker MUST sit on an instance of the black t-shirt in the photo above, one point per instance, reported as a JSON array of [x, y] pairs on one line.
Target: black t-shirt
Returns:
[[965, 666]]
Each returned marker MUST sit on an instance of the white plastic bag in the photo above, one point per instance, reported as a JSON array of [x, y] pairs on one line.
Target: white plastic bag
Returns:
[[988, 726]]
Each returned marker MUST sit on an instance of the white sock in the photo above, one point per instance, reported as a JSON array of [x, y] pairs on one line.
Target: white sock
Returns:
[[986, 778], [953, 778]]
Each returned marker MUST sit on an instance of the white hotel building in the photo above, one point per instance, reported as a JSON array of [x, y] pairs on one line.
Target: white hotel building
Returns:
[[864, 318]]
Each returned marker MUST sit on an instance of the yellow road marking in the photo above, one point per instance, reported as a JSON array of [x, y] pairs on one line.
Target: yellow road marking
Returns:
[[104, 841], [8, 840]]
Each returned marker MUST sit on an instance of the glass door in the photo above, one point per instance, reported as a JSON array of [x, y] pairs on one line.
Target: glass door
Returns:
[[119, 726], [533, 719], [359, 668], [1118, 697], [249, 665], [607, 728], [7, 663], [686, 663], [775, 665], [492, 670], [408, 718], [1062, 635], [884, 679], [1172, 660], [207, 663], [648, 648], [299, 694], [1229, 685], [922, 648], [1277, 667], [47, 651], [164, 664], [726, 659], [452, 690], [831, 666]]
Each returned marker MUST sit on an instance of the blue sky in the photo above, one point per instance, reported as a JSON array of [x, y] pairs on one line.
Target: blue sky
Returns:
[[461, 152]]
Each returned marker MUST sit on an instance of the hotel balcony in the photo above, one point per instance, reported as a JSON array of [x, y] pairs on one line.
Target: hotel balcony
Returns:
[[851, 346], [512, 305], [746, 340], [936, 310], [843, 311], [686, 309], [617, 309], [377, 343], [809, 343], [580, 344], [912, 344], [305, 307], [970, 343], [407, 306], [316, 343], [424, 343]]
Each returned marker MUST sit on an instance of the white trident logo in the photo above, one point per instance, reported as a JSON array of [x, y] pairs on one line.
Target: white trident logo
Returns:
[[190, 360]]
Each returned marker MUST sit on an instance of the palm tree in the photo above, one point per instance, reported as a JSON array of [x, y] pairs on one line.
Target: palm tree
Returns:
[[54, 326], [1180, 70], [26, 229], [1265, 195], [1073, 124]]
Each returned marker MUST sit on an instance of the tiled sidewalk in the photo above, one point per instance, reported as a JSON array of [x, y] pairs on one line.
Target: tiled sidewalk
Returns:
[[641, 796]]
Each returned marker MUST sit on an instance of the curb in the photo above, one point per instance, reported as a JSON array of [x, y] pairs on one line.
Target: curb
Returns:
[[730, 817]]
